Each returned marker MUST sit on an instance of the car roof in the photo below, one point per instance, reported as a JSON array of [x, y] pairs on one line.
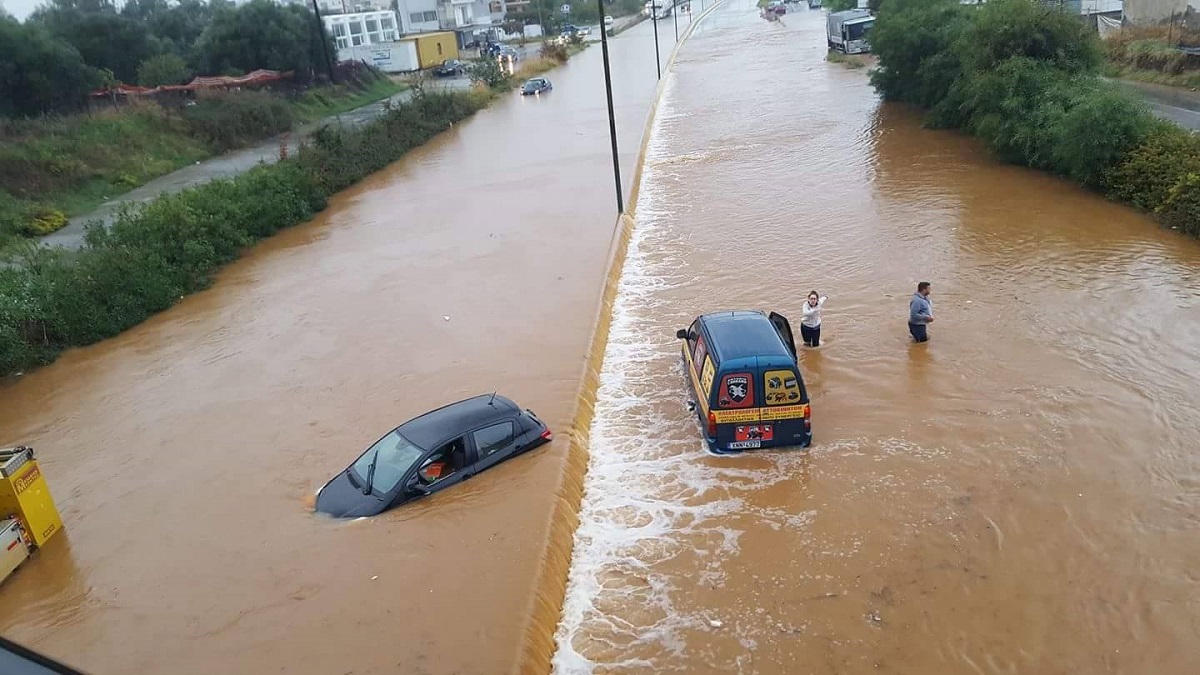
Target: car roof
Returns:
[[743, 335], [438, 425]]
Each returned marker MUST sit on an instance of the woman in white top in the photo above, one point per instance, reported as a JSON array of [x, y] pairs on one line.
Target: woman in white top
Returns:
[[810, 323]]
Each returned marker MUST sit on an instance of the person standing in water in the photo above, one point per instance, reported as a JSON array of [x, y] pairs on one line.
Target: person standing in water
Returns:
[[810, 322], [920, 313]]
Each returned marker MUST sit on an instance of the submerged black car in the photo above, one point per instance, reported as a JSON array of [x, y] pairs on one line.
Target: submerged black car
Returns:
[[538, 85], [430, 453]]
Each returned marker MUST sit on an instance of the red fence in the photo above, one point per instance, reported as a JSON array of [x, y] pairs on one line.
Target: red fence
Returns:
[[256, 78]]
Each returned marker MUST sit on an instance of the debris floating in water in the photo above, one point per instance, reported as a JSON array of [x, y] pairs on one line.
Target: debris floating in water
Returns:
[[715, 623], [447, 317]]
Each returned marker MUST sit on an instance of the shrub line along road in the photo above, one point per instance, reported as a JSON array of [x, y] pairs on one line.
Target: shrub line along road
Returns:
[[234, 163]]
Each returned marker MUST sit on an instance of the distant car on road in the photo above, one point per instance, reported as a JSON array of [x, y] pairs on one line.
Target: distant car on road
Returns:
[[507, 52], [584, 32], [450, 68], [430, 453], [608, 21], [538, 85]]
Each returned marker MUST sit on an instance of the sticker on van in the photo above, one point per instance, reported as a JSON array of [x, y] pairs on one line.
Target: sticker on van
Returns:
[[737, 391], [706, 377], [782, 387]]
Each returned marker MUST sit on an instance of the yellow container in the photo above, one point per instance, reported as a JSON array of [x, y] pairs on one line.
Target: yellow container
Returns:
[[433, 48], [24, 494]]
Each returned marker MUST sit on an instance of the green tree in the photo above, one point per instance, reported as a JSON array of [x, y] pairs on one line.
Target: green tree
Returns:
[[262, 34], [177, 26], [39, 73], [163, 69], [1002, 29], [913, 40], [104, 38]]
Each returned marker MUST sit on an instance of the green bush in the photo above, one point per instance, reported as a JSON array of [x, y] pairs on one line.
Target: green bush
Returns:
[[555, 51], [487, 71], [1147, 173], [1181, 209], [51, 299], [1023, 77], [229, 120]]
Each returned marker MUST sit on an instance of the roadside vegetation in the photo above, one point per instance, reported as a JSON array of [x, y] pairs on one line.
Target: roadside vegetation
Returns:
[[840, 5], [52, 299], [1150, 54], [582, 14], [492, 74], [61, 156], [851, 61], [56, 166], [1024, 77]]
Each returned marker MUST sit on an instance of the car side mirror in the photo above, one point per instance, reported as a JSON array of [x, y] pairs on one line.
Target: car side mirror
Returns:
[[682, 334], [416, 487]]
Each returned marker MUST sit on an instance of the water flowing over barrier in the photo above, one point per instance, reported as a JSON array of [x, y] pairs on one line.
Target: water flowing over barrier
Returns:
[[544, 615]]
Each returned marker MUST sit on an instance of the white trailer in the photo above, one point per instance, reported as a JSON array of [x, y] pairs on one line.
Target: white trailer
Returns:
[[390, 57], [848, 31]]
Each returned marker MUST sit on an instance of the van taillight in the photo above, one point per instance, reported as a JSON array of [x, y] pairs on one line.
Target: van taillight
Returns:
[[547, 435], [808, 418], [712, 425]]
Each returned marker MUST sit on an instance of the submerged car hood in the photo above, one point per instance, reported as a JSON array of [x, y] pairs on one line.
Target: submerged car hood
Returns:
[[341, 499]]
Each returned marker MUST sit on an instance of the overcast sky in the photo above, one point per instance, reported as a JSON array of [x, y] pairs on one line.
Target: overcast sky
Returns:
[[20, 8]]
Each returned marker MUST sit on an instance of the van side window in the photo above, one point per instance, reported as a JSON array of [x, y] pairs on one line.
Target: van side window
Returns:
[[782, 387], [699, 351], [737, 391]]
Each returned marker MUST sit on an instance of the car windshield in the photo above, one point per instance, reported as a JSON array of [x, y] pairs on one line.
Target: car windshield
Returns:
[[396, 455]]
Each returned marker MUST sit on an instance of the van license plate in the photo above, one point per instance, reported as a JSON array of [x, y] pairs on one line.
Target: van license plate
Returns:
[[743, 445]]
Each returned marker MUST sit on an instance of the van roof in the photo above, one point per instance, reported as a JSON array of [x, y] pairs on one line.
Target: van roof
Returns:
[[744, 335]]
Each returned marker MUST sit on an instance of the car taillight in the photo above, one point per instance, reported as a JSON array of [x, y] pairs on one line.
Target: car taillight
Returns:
[[808, 418], [547, 434], [712, 424]]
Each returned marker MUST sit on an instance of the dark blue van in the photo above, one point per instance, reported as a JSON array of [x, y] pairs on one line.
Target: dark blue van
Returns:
[[748, 390]]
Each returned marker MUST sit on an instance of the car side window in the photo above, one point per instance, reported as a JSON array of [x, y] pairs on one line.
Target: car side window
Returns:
[[490, 440]]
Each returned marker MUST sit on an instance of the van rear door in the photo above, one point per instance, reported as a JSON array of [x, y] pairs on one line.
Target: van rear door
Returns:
[[784, 328]]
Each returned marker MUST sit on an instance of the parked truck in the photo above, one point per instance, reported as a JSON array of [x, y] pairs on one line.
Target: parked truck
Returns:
[[849, 31]]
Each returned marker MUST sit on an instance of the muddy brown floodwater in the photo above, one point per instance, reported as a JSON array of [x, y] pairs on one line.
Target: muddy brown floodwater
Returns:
[[1019, 495], [184, 453]]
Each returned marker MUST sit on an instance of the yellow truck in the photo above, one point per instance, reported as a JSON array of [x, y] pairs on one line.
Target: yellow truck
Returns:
[[434, 48], [28, 517]]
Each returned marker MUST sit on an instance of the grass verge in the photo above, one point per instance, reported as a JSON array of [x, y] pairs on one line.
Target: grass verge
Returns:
[[851, 61], [57, 167], [53, 299]]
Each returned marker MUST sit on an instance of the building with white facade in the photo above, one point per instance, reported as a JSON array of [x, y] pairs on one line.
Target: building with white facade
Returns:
[[362, 28]]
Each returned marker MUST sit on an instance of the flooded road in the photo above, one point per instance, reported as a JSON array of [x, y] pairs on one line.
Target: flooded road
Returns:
[[1019, 495], [184, 453]]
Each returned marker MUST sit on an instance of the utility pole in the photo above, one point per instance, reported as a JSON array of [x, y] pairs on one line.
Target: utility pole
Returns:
[[675, 15], [654, 20], [612, 119], [324, 42]]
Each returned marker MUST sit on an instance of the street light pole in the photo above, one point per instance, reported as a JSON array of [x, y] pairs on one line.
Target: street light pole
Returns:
[[612, 119], [654, 20], [324, 42], [675, 16]]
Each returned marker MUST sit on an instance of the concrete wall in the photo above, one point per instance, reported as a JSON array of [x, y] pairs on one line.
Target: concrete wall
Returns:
[[1140, 12]]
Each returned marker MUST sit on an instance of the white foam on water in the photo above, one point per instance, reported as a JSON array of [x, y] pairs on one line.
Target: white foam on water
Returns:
[[651, 493]]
